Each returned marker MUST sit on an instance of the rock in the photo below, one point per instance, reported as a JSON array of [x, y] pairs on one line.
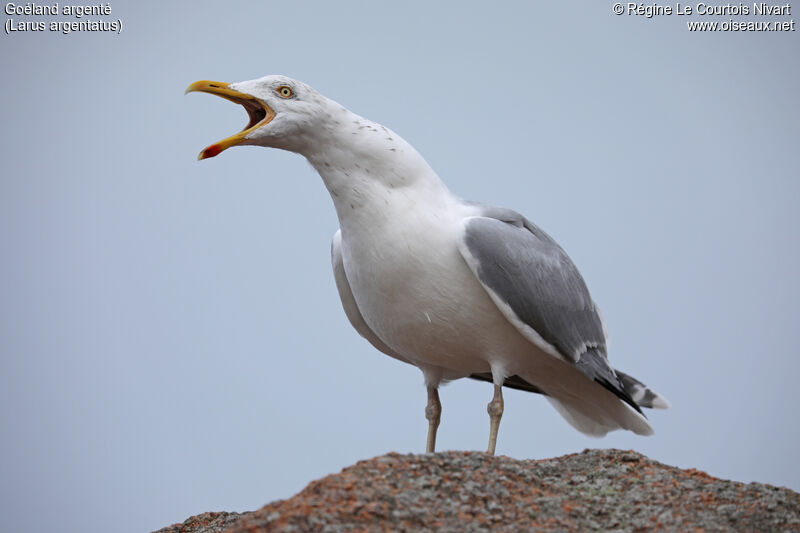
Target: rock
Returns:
[[470, 491], [205, 523]]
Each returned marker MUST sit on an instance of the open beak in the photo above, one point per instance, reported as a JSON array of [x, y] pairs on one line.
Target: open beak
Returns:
[[258, 111]]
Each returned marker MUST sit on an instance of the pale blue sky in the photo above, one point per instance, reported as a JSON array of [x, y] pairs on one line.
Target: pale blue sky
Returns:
[[171, 338]]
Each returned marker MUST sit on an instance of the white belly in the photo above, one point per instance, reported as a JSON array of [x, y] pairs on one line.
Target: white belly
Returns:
[[416, 292]]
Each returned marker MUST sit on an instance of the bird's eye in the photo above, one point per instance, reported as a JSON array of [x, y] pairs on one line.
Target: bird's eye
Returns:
[[285, 91]]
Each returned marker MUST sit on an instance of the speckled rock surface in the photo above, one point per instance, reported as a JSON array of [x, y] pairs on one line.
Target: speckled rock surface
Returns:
[[607, 490], [205, 523]]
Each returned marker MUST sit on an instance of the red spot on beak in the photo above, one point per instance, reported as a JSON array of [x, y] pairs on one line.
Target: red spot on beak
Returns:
[[211, 151]]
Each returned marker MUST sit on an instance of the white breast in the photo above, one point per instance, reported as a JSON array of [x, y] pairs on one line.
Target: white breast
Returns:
[[416, 292]]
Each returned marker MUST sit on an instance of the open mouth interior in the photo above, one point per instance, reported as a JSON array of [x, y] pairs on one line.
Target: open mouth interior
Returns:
[[255, 111], [259, 113]]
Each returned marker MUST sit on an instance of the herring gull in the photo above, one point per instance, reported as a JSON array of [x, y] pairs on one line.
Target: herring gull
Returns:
[[455, 288]]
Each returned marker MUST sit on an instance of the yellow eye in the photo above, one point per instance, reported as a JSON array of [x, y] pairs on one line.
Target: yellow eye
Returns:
[[285, 91]]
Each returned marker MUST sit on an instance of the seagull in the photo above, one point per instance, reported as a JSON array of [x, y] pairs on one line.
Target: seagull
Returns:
[[456, 288]]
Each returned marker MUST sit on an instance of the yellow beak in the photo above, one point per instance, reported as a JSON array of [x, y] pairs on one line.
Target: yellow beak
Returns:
[[259, 112]]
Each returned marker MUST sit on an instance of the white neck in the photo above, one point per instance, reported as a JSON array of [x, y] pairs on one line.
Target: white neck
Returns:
[[370, 171]]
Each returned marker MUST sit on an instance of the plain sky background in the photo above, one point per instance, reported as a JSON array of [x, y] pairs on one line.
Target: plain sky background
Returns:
[[171, 337]]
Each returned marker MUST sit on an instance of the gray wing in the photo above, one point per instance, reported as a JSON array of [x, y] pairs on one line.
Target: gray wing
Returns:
[[539, 290], [349, 302]]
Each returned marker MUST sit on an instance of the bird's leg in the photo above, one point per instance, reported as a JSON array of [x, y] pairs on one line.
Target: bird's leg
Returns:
[[495, 409], [433, 412]]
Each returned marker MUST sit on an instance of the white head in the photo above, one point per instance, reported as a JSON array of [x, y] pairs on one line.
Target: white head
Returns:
[[349, 152], [284, 113]]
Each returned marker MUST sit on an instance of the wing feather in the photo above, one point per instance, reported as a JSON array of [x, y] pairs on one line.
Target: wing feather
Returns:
[[540, 291]]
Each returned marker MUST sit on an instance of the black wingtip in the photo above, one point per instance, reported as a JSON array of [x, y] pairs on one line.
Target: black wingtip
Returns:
[[620, 393], [595, 366], [592, 364]]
